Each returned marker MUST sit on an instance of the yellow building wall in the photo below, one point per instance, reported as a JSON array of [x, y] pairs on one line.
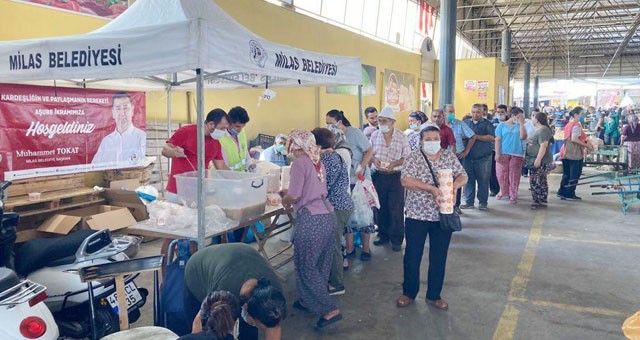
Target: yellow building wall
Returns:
[[26, 21], [293, 107], [489, 69]]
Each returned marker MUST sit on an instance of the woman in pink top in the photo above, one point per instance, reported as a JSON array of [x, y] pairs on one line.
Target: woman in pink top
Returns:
[[315, 228], [572, 155]]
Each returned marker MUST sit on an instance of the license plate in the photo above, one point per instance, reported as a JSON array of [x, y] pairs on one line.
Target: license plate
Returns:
[[133, 296]]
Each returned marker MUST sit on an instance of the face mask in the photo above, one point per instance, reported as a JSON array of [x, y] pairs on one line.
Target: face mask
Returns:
[[217, 134], [431, 147], [413, 126], [233, 132], [384, 128], [502, 118], [280, 147], [582, 119], [451, 117]]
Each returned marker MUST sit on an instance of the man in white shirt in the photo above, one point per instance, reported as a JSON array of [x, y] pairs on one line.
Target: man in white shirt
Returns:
[[127, 144]]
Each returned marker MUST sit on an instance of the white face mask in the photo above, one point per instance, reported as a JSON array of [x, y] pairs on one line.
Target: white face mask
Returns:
[[217, 134], [502, 118], [414, 126], [431, 147], [384, 128]]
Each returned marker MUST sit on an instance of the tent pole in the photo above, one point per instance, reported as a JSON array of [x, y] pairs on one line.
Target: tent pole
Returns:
[[168, 137], [169, 111], [201, 165], [360, 107]]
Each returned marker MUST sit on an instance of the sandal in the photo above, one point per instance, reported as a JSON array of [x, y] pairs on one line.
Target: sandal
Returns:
[[351, 253], [513, 201], [499, 196], [404, 301]]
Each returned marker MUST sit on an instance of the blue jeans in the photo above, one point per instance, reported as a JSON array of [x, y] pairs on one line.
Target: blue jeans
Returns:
[[479, 171]]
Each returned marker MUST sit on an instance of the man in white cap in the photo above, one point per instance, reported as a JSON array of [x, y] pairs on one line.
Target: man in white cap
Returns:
[[390, 147]]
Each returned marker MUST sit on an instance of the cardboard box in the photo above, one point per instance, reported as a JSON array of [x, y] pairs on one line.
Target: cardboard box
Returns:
[[59, 224], [130, 200], [96, 217], [125, 184]]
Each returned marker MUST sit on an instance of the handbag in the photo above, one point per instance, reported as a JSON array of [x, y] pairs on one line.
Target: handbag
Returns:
[[448, 222]]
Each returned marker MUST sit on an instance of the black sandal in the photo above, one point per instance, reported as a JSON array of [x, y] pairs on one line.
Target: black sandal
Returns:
[[322, 322]]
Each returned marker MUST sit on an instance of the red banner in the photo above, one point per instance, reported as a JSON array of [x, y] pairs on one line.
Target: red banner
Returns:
[[48, 131]]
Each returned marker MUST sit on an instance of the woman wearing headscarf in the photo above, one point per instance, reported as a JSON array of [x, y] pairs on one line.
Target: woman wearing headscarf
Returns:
[[417, 122], [315, 228], [341, 147], [631, 139]]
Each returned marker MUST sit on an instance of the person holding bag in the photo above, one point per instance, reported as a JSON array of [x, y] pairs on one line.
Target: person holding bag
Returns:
[[539, 160], [572, 155], [423, 216]]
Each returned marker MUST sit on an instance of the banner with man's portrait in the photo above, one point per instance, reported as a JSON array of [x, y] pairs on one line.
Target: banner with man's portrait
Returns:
[[48, 131]]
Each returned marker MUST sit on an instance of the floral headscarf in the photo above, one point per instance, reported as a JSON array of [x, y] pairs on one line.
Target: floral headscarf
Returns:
[[337, 132], [369, 130], [304, 140]]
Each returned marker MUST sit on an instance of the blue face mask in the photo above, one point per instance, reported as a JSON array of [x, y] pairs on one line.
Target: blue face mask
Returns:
[[233, 132], [451, 117], [280, 148]]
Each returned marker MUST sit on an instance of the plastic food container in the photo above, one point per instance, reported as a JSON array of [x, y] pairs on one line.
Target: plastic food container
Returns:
[[241, 195]]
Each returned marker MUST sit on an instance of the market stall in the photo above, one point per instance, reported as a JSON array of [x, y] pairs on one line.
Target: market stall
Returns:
[[173, 44]]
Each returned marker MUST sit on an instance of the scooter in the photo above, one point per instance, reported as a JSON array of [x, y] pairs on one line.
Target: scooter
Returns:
[[53, 262], [22, 313]]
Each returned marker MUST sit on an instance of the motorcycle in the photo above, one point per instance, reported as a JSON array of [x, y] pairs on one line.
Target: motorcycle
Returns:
[[51, 262], [23, 315]]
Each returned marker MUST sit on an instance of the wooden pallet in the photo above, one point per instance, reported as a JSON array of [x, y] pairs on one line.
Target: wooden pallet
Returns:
[[45, 184], [52, 201]]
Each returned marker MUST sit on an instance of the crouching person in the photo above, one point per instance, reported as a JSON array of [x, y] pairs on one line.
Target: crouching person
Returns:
[[241, 270]]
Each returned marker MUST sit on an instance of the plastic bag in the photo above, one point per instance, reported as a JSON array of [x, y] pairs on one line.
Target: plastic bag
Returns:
[[364, 198]]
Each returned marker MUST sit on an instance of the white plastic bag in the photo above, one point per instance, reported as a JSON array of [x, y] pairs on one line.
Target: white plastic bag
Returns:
[[364, 198]]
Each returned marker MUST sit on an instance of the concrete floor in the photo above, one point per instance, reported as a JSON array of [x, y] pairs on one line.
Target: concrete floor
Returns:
[[570, 272]]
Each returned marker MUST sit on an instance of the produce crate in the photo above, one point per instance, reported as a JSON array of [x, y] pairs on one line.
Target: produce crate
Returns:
[[263, 141]]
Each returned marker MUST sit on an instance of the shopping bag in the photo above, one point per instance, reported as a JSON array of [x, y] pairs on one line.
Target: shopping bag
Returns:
[[365, 187], [364, 198]]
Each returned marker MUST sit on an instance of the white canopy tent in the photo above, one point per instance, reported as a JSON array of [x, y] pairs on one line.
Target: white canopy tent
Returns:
[[173, 44]]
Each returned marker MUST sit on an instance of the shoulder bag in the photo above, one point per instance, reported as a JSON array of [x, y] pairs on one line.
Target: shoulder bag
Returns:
[[448, 222]]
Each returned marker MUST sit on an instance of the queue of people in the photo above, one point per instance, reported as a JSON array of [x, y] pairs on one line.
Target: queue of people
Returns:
[[232, 282]]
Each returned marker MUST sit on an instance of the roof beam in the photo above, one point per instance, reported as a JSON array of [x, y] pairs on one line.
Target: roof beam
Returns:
[[623, 44], [506, 26]]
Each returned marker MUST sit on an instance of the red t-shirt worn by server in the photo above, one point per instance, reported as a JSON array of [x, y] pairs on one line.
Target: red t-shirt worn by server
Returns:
[[186, 138], [447, 138]]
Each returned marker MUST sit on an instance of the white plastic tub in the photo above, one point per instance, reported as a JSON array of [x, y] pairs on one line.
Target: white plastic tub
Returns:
[[241, 195]]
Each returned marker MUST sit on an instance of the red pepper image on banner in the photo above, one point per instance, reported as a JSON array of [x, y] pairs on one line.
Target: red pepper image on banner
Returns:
[[50, 131]]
